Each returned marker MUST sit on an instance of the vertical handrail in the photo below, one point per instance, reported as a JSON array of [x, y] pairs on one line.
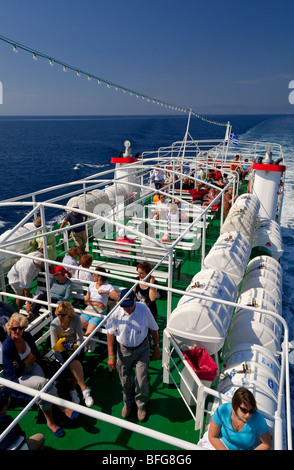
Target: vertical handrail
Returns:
[[47, 276], [203, 238]]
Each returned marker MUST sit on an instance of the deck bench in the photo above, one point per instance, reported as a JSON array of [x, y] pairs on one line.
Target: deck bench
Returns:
[[133, 253]]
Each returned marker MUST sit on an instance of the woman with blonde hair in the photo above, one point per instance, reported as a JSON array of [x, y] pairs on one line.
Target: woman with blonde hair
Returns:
[[67, 325], [20, 363]]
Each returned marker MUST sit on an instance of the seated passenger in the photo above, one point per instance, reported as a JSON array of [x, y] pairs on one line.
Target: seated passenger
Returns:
[[235, 165], [146, 294], [38, 243], [61, 286], [6, 310], [162, 208], [244, 170], [220, 183], [96, 301], [209, 179], [35, 442], [68, 325], [217, 174], [239, 425], [173, 215], [156, 198], [187, 184], [177, 183], [149, 231], [202, 174], [157, 177], [20, 364], [181, 209], [198, 193], [211, 196], [71, 258], [85, 262], [123, 238], [60, 289]]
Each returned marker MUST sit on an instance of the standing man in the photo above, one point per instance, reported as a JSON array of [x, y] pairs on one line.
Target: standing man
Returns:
[[158, 177], [21, 276], [130, 324], [79, 234]]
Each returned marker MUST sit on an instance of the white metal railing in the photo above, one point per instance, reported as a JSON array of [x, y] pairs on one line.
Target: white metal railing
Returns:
[[42, 395], [191, 150], [284, 395]]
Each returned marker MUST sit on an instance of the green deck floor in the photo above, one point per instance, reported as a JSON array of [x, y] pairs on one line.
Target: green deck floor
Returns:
[[167, 412]]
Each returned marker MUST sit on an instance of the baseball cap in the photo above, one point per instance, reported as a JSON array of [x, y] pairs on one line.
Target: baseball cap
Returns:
[[129, 300], [122, 232], [58, 270]]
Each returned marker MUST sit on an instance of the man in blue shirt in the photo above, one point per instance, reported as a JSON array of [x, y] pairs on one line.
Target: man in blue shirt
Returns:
[[79, 234]]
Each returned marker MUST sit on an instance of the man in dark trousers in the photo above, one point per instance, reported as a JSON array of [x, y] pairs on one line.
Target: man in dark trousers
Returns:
[[130, 324]]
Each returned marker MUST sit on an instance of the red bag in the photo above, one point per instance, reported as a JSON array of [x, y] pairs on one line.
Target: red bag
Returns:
[[202, 363]]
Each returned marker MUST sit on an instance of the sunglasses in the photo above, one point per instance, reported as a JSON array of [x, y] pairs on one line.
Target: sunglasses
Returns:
[[245, 411], [15, 328], [61, 314]]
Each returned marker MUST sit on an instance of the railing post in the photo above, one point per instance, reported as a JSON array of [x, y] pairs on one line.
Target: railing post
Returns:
[[48, 290], [203, 238]]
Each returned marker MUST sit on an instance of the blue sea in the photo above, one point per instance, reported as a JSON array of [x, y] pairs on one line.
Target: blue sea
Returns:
[[37, 152]]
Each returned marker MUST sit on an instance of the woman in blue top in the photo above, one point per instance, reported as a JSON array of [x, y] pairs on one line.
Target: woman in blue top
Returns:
[[239, 425]]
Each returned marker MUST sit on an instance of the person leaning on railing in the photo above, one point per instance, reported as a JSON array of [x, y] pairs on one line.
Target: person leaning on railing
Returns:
[[22, 274]]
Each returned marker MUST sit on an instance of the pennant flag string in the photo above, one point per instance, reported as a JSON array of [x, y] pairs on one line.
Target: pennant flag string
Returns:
[[52, 61]]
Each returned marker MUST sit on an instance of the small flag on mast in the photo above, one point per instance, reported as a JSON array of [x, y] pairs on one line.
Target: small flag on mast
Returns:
[[234, 139]]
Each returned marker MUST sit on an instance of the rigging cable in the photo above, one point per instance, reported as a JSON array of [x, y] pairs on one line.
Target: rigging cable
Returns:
[[16, 46]]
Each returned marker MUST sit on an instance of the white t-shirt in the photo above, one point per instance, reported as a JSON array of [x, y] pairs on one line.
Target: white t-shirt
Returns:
[[131, 330], [84, 276], [69, 260], [24, 271], [163, 205], [147, 242], [173, 218], [157, 175], [100, 295]]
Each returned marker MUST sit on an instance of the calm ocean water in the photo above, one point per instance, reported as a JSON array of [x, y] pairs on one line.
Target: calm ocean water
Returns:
[[39, 152]]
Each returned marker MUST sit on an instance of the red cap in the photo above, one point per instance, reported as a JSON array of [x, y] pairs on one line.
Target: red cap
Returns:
[[58, 270]]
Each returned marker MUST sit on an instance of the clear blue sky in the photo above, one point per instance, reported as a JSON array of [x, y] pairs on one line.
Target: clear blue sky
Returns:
[[215, 56]]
